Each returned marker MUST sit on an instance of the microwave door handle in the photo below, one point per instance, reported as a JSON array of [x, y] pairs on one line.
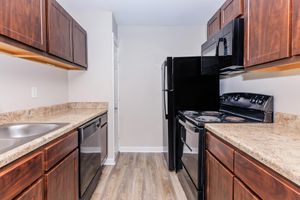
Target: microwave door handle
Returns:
[[218, 46], [225, 47]]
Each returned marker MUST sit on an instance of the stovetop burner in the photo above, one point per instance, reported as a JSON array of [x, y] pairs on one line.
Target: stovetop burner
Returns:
[[208, 119], [234, 119], [190, 113], [211, 113]]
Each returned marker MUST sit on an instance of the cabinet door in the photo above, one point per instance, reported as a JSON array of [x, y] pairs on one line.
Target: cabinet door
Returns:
[[62, 180], [79, 45], [24, 21], [104, 143], [219, 185], [230, 10], [241, 192], [35, 192], [214, 24], [19, 175], [267, 31], [60, 25], [296, 28]]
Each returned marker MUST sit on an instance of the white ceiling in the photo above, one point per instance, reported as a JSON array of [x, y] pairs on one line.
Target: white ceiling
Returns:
[[153, 12]]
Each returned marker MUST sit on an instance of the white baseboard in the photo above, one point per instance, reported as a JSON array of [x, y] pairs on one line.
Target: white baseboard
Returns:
[[136, 149], [110, 161]]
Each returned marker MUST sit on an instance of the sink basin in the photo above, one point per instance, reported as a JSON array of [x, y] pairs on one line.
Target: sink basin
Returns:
[[12, 131], [13, 135]]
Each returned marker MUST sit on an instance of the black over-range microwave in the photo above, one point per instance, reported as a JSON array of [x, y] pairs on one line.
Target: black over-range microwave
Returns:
[[223, 53]]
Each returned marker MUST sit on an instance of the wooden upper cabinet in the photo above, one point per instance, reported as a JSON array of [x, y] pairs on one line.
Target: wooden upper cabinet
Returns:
[[79, 45], [241, 192], [24, 21], [214, 24], [230, 10], [219, 181], [267, 31], [60, 31], [296, 28]]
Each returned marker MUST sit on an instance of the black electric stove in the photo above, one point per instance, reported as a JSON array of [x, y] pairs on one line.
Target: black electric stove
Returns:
[[190, 131]]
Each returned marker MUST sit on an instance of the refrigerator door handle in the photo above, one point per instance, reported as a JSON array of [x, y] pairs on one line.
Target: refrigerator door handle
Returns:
[[165, 91]]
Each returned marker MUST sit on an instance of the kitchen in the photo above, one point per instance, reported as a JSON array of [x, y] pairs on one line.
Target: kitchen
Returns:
[[72, 68]]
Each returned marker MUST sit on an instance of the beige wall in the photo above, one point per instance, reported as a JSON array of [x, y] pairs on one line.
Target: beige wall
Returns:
[[142, 52], [284, 86], [17, 76], [96, 84]]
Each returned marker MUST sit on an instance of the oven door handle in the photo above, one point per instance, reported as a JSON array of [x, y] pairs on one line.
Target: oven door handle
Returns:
[[192, 128], [181, 122]]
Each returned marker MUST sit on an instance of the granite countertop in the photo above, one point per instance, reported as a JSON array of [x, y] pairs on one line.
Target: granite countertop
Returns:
[[75, 114], [275, 145]]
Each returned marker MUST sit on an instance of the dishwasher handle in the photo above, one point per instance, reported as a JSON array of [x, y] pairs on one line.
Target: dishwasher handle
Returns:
[[89, 129]]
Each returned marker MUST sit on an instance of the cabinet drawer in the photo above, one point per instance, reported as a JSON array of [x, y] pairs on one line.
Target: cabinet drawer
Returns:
[[261, 181], [220, 150], [230, 10], [18, 176], [214, 24], [60, 149], [35, 192], [241, 192]]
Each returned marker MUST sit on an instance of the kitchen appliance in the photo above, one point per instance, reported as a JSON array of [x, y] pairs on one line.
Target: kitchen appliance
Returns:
[[234, 108], [184, 88], [90, 156], [224, 52]]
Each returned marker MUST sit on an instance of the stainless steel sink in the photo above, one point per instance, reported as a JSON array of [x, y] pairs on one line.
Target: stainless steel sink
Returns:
[[13, 135]]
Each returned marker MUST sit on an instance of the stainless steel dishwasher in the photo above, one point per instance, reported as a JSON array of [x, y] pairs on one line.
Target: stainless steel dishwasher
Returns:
[[89, 157]]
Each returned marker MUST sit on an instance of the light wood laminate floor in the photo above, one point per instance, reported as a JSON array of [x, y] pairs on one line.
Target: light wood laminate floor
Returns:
[[139, 176]]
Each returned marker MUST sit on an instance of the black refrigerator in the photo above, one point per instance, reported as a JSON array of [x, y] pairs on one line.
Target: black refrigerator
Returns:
[[185, 87]]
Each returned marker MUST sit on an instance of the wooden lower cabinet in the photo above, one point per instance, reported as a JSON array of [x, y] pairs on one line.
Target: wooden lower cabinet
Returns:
[[20, 175], [35, 192], [241, 192], [62, 180], [262, 181], [219, 185], [249, 179]]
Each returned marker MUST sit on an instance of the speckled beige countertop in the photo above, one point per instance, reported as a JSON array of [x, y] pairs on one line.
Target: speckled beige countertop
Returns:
[[275, 145], [75, 114]]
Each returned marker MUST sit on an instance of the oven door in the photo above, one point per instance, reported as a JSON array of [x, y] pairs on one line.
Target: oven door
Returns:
[[90, 153], [192, 156]]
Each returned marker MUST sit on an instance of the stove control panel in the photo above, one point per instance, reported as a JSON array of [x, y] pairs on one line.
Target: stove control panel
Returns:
[[248, 100]]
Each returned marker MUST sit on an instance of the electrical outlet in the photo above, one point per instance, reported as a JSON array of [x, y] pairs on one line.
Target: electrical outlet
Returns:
[[34, 91]]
